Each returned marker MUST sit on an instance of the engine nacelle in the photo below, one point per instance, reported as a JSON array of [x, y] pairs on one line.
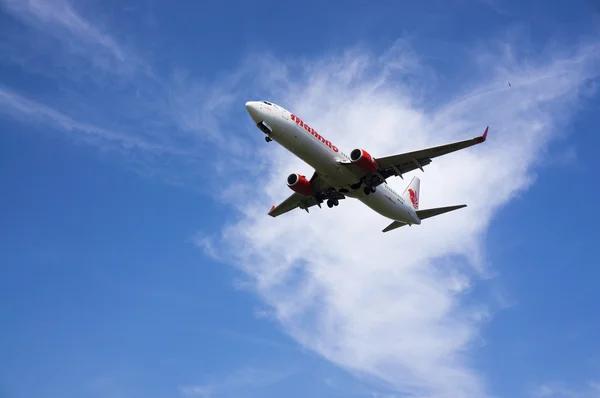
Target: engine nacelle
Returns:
[[363, 159], [300, 184]]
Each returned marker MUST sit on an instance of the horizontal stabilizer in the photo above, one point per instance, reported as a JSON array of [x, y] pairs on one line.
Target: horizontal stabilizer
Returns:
[[427, 213], [394, 225], [423, 214]]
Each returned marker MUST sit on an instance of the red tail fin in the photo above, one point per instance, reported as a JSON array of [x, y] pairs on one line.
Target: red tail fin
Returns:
[[412, 192]]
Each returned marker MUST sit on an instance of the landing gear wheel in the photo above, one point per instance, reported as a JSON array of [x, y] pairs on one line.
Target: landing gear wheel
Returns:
[[373, 189], [367, 190], [335, 202], [329, 203], [268, 139]]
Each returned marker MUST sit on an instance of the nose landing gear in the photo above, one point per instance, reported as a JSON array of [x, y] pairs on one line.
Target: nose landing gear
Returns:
[[268, 139]]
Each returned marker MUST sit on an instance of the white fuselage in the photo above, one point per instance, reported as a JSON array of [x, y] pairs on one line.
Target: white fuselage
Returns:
[[304, 142]]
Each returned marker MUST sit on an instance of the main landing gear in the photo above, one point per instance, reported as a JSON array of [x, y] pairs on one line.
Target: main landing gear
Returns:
[[332, 202], [268, 139], [369, 189]]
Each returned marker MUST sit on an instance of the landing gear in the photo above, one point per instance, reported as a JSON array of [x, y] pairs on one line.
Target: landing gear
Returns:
[[268, 139], [332, 202], [369, 189]]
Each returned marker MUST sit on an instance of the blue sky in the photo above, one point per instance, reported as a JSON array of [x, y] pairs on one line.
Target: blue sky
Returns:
[[137, 259]]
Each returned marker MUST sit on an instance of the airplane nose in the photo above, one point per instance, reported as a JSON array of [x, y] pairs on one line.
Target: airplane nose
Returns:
[[252, 108]]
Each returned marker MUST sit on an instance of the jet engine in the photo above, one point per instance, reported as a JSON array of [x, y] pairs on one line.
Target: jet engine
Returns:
[[299, 184], [364, 160]]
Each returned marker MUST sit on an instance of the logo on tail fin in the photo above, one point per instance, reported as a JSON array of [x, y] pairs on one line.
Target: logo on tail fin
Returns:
[[414, 198]]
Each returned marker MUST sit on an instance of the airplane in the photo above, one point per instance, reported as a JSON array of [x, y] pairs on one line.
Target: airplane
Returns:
[[338, 176]]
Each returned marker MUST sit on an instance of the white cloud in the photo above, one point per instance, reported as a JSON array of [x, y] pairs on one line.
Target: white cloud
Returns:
[[393, 306]]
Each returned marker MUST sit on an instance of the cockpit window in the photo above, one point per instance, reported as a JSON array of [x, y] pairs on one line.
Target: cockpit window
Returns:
[[268, 103]]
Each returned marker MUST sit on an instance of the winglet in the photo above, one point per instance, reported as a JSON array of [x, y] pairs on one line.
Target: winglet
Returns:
[[484, 136], [272, 208]]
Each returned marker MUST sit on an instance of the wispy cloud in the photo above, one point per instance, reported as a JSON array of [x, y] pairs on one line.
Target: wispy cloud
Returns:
[[110, 387], [182, 105], [493, 4], [106, 94], [561, 390], [152, 155], [235, 383], [258, 340], [61, 14], [395, 306], [58, 20], [20, 107]]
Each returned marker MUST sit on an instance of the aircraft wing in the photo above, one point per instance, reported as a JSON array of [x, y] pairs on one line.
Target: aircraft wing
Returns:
[[293, 201], [405, 162], [322, 190]]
